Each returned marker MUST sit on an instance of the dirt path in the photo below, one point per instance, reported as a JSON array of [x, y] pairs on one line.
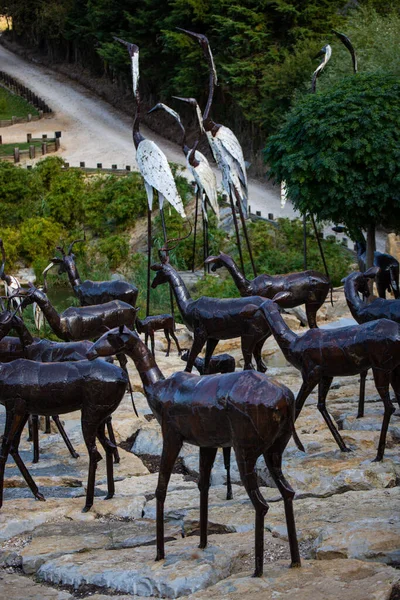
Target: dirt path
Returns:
[[93, 131]]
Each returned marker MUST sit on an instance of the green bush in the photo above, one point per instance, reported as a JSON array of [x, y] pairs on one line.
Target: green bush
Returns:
[[115, 248]]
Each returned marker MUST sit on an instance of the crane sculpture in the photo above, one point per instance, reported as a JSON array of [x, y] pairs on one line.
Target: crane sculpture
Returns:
[[346, 42], [153, 166], [206, 182], [226, 149]]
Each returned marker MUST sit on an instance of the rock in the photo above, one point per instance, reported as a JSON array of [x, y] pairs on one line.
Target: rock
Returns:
[[185, 569], [319, 580], [53, 540], [146, 485], [15, 587]]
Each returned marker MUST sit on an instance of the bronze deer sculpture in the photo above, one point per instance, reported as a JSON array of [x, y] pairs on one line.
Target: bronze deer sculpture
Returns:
[[164, 322], [308, 287], [30, 388], [321, 354], [244, 410], [222, 363], [355, 284], [93, 292], [213, 319]]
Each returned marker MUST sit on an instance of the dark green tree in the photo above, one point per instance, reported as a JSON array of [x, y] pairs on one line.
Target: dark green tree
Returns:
[[339, 153]]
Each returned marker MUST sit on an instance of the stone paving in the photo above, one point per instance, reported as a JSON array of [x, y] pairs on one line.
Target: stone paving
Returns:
[[347, 511]]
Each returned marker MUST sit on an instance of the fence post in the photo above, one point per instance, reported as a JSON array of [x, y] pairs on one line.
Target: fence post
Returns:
[[28, 137], [1, 140], [44, 148], [32, 152], [99, 165], [57, 143], [82, 165], [44, 136], [16, 155]]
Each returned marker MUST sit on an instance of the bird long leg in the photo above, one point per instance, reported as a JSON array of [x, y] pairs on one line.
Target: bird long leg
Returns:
[[111, 435], [246, 235], [246, 460], [273, 460], [207, 458], [164, 229], [64, 436], [237, 234], [382, 379], [195, 230], [172, 445], [361, 399], [323, 390], [148, 261], [109, 448], [227, 464]]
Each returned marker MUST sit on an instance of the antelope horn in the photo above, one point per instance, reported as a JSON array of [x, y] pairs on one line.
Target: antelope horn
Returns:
[[72, 245], [167, 248], [45, 276], [61, 249]]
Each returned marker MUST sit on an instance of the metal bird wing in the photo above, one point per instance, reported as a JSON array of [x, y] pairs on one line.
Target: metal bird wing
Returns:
[[205, 180], [231, 144], [157, 173]]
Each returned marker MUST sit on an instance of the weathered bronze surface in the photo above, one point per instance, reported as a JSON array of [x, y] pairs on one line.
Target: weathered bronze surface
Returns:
[[357, 283], [32, 388], [93, 292], [322, 354], [212, 319], [164, 322], [46, 351], [222, 363], [308, 287], [243, 409]]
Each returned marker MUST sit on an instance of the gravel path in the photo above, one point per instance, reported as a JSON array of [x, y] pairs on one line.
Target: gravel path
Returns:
[[93, 131]]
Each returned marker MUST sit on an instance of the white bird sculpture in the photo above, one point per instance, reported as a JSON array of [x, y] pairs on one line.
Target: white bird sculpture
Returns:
[[225, 147], [326, 53], [152, 164], [206, 182]]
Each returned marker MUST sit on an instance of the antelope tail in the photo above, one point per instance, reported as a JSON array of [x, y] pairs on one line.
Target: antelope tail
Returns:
[[296, 437]]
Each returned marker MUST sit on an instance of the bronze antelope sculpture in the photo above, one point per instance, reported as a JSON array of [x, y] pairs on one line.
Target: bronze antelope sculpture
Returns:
[[243, 409], [80, 323], [213, 319], [164, 322], [222, 363], [355, 284], [31, 388], [321, 354], [46, 351], [93, 292], [308, 287], [387, 278]]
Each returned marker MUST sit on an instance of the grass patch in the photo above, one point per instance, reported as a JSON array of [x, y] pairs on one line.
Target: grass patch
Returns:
[[12, 105], [8, 149]]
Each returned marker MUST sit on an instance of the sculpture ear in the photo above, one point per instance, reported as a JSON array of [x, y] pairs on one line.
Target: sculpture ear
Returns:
[[248, 311], [210, 260], [281, 296], [371, 272]]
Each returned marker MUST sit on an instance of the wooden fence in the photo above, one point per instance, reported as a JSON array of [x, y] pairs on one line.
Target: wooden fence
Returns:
[[17, 87], [36, 147]]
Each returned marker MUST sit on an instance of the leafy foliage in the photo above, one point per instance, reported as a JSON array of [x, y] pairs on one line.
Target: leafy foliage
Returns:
[[339, 152]]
